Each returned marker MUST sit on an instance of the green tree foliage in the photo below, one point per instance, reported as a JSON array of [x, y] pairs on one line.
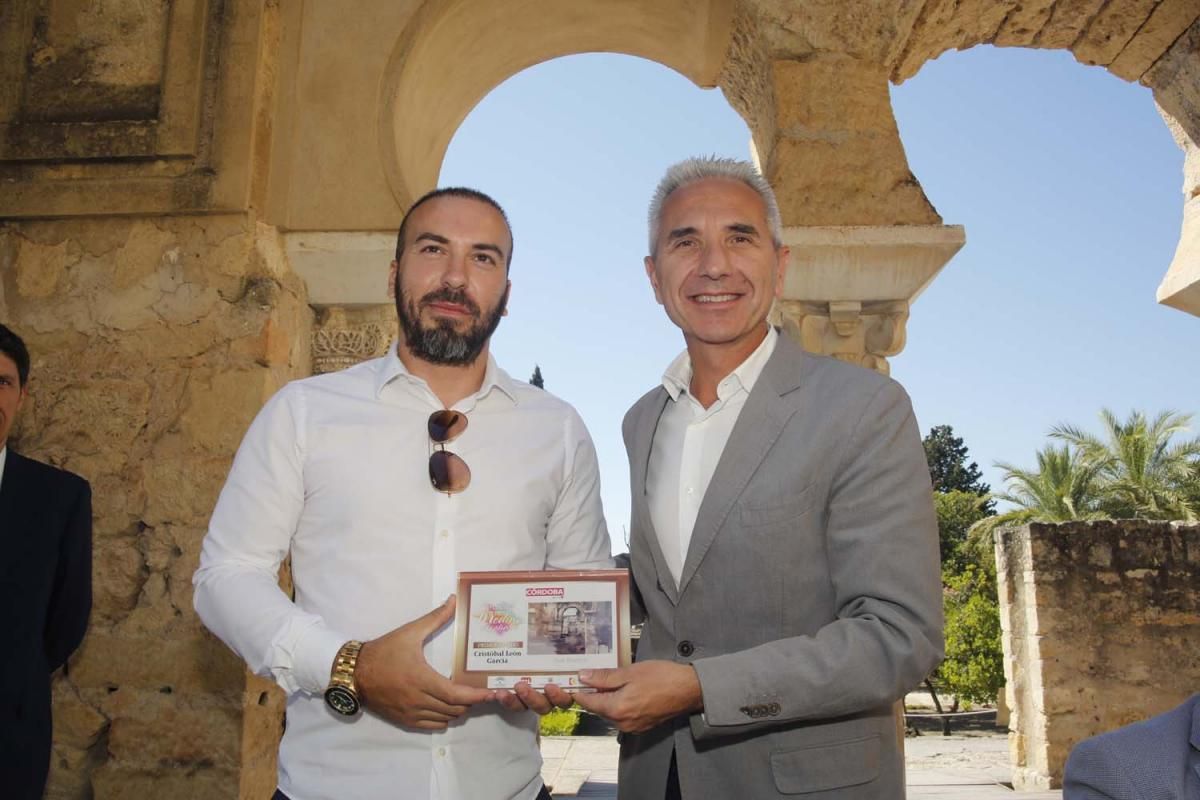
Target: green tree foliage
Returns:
[[1141, 474], [1134, 470], [948, 467], [536, 380], [973, 670], [957, 511], [1064, 487]]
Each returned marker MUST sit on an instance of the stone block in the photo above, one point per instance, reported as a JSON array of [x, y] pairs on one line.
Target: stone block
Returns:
[[118, 572], [77, 723], [182, 489], [1165, 24], [114, 782], [1111, 29], [40, 267], [196, 663], [840, 162], [1067, 21], [947, 24], [144, 253], [213, 398], [1022, 26], [151, 729]]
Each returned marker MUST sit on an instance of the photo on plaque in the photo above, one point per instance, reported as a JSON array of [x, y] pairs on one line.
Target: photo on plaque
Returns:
[[540, 627]]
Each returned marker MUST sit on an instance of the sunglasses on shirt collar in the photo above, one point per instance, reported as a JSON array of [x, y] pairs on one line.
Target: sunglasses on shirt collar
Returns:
[[447, 472]]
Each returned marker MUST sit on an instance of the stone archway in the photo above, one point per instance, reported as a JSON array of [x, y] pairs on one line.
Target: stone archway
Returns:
[[465, 44]]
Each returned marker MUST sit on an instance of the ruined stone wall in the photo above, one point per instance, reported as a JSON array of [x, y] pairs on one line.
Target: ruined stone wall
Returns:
[[154, 342], [1101, 626]]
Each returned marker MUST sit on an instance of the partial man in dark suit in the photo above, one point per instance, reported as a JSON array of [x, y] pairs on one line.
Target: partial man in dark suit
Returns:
[[45, 585], [783, 540], [1155, 759]]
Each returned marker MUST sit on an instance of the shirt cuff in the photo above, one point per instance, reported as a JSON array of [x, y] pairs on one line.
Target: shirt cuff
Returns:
[[312, 661]]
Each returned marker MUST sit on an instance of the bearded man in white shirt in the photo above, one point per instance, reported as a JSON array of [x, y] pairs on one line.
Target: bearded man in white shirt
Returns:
[[338, 469], [783, 540]]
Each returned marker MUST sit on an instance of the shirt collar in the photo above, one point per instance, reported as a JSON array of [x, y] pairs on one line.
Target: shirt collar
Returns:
[[678, 376], [390, 368]]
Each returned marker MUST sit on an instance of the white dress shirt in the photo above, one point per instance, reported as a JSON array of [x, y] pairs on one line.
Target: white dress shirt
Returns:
[[335, 468], [688, 444], [3, 458]]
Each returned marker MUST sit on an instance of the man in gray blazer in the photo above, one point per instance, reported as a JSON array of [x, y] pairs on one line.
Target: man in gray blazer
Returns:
[[784, 546], [1155, 759]]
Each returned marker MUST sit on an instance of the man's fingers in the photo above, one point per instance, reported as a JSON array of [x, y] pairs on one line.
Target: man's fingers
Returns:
[[600, 703], [429, 715], [428, 725], [509, 701], [427, 625], [558, 697], [533, 699], [603, 678], [431, 703], [456, 694]]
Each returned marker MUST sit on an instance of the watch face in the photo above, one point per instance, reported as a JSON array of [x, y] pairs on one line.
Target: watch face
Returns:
[[341, 700]]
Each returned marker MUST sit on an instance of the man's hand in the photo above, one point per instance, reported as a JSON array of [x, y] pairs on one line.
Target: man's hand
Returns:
[[639, 697], [525, 697], [395, 681]]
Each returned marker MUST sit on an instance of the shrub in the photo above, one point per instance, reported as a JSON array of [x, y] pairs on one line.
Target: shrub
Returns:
[[560, 722], [974, 666]]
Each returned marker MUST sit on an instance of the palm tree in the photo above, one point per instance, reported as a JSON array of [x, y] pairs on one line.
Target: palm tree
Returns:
[[1142, 473], [1064, 487]]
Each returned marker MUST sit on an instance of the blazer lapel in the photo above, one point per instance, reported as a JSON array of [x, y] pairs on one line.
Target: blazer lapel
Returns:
[[643, 440], [11, 487], [759, 425]]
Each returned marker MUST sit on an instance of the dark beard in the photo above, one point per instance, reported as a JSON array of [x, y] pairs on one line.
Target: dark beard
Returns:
[[442, 344]]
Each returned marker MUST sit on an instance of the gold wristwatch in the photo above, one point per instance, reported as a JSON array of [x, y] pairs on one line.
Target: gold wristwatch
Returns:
[[341, 694]]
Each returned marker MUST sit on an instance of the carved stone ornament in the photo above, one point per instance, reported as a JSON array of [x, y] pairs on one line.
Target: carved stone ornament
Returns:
[[345, 337], [858, 333]]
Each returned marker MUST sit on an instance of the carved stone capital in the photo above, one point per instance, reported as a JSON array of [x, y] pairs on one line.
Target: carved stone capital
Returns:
[[848, 289], [858, 333], [343, 337]]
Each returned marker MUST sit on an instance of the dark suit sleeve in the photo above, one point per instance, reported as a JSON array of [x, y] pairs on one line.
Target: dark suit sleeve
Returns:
[[1094, 773], [71, 597]]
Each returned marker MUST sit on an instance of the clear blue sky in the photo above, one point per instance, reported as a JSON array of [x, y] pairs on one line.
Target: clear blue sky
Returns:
[[1065, 177]]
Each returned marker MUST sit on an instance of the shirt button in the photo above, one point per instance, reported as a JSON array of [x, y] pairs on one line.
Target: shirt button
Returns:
[[685, 648], [444, 534], [441, 751]]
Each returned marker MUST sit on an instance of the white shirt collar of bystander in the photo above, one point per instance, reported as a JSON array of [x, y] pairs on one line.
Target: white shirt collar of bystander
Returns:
[[392, 368]]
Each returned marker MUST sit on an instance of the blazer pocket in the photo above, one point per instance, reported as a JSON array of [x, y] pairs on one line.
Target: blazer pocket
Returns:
[[826, 767], [754, 516]]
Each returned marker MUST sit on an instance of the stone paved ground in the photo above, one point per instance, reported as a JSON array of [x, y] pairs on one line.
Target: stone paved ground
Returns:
[[970, 766]]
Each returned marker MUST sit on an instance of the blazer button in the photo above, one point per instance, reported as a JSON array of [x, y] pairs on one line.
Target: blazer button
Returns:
[[773, 709], [685, 648]]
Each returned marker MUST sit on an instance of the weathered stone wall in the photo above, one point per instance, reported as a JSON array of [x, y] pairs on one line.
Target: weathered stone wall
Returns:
[[154, 342], [1101, 626]]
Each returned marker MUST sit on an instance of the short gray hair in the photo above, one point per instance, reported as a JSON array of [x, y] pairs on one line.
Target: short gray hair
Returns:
[[702, 168]]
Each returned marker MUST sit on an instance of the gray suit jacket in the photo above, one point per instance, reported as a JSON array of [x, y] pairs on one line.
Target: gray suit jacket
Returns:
[[1156, 759], [810, 598]]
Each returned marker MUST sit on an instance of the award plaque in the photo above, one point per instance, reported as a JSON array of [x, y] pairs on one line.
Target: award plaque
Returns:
[[540, 627]]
